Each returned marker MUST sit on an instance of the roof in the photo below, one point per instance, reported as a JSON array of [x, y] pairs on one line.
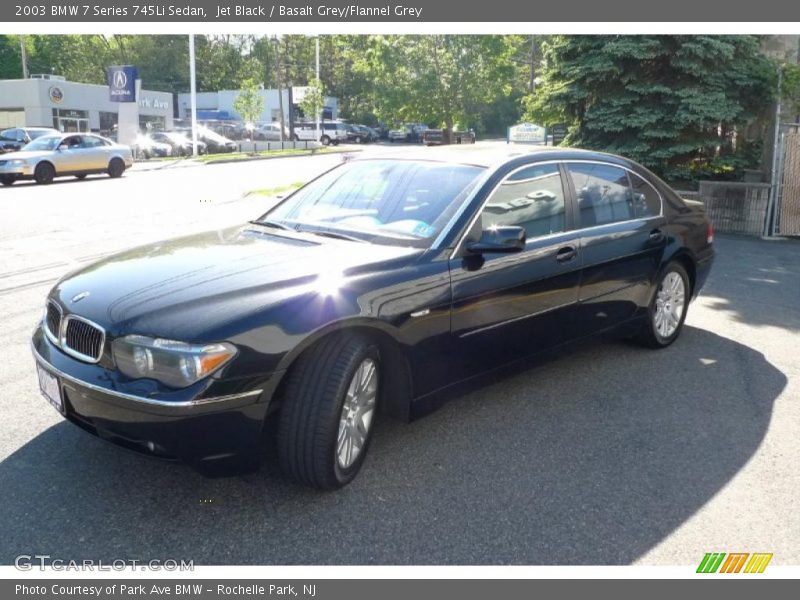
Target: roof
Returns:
[[481, 155]]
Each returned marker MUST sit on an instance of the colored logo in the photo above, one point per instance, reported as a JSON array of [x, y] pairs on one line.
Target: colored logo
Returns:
[[56, 95], [734, 562]]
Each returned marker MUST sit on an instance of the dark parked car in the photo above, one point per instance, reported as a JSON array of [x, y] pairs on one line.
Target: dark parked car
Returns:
[[15, 138], [361, 134], [377, 286], [440, 137]]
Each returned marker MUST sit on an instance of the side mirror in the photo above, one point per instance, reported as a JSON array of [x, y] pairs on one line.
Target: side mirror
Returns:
[[502, 239]]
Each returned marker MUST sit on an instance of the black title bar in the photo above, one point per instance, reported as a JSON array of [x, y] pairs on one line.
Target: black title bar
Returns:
[[387, 11]]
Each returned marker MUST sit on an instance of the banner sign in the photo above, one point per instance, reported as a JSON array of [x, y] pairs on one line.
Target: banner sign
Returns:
[[526, 133], [122, 83]]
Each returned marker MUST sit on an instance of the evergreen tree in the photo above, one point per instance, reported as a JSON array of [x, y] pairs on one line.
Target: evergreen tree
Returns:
[[677, 104]]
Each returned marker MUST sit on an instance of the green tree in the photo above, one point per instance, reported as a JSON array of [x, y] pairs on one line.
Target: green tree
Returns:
[[678, 103], [437, 79], [249, 103], [314, 99]]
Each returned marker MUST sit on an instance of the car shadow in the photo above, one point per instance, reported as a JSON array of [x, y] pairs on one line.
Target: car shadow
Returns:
[[592, 458], [61, 180]]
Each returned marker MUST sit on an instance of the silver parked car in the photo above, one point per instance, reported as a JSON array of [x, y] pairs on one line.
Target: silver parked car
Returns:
[[65, 154]]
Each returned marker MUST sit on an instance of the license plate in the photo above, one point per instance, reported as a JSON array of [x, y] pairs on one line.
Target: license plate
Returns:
[[50, 389]]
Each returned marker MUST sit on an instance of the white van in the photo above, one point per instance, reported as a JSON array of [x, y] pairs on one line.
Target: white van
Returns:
[[331, 132]]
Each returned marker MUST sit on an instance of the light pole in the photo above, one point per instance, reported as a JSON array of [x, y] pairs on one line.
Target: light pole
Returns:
[[24, 55], [277, 42], [317, 136], [193, 94]]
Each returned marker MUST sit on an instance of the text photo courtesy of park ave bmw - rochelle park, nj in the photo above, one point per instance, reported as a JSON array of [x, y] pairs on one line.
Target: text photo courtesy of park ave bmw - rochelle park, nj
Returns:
[[412, 299]]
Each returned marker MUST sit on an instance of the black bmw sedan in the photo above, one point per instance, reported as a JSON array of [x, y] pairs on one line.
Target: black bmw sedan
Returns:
[[378, 286]]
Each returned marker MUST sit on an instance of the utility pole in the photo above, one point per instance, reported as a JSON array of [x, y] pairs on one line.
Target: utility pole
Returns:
[[532, 82], [24, 54], [773, 190], [278, 81], [193, 94]]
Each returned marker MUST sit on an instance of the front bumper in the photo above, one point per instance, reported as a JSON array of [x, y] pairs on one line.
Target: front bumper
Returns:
[[213, 425], [25, 170]]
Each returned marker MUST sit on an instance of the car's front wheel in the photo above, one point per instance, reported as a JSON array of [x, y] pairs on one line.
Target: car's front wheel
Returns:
[[667, 310], [44, 173], [328, 411], [8, 179]]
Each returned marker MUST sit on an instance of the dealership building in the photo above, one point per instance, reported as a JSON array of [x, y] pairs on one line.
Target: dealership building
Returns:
[[219, 105], [51, 101]]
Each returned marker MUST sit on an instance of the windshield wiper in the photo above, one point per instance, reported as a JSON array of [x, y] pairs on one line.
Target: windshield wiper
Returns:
[[332, 234], [273, 224]]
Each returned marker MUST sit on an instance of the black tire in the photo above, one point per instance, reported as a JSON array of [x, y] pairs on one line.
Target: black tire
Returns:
[[44, 173], [81, 176], [116, 168], [8, 180], [325, 140], [308, 428], [358, 139], [649, 335]]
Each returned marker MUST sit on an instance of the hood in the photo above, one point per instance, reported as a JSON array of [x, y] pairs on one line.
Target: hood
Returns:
[[205, 281]]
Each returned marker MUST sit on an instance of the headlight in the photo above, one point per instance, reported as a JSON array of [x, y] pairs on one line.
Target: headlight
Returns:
[[175, 364]]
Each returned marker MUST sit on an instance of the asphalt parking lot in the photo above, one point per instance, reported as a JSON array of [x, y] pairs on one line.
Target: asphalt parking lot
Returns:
[[604, 454]]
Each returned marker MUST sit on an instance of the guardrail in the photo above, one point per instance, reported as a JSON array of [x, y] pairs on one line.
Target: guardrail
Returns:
[[267, 146]]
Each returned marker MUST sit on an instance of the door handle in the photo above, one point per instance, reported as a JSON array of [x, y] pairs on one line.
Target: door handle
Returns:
[[656, 235], [566, 254]]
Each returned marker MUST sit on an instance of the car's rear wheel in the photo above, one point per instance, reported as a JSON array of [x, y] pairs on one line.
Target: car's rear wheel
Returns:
[[44, 173], [116, 168], [328, 411], [8, 179], [325, 140], [667, 310]]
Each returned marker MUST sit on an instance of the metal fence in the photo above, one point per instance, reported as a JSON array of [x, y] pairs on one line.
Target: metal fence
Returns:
[[785, 216], [734, 207]]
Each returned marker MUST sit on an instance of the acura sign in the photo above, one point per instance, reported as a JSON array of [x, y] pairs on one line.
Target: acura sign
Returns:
[[122, 83]]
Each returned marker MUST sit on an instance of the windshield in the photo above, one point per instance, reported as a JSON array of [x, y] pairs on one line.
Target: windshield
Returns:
[[47, 142], [37, 133], [397, 202], [212, 135]]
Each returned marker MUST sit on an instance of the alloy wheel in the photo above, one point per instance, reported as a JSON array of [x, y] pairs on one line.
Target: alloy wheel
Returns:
[[357, 414], [670, 304]]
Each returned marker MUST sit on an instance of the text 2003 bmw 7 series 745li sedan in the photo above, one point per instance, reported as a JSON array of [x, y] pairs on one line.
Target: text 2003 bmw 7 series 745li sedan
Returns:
[[375, 287]]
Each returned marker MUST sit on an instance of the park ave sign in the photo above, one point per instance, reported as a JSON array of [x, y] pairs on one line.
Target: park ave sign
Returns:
[[526, 133]]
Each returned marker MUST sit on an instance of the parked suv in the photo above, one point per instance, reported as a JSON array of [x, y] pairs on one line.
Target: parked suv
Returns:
[[331, 132]]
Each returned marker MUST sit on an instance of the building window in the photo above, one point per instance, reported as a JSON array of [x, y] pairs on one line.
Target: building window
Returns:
[[152, 123], [12, 117], [108, 122]]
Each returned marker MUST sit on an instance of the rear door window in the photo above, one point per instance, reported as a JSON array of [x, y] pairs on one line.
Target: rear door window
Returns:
[[603, 192]]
